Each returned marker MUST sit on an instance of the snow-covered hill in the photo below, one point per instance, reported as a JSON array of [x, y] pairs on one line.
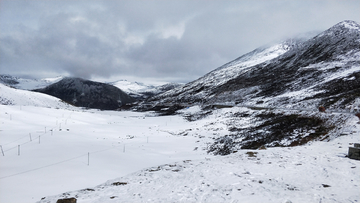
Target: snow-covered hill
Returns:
[[12, 96], [28, 84], [137, 90], [142, 91]]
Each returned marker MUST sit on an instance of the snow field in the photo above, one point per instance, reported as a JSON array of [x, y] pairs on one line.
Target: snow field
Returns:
[[162, 159], [316, 173], [118, 143]]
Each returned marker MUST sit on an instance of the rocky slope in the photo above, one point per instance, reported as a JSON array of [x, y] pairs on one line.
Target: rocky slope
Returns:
[[323, 70]]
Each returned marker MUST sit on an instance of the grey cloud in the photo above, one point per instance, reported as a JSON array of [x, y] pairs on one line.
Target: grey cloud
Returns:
[[131, 38]]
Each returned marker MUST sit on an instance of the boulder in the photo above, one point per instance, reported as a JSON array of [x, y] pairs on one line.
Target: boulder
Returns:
[[67, 200]]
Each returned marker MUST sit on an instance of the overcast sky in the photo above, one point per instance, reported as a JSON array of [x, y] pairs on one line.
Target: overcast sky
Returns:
[[162, 41]]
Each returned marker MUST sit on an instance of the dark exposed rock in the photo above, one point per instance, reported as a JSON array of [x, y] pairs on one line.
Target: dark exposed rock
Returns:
[[67, 200]]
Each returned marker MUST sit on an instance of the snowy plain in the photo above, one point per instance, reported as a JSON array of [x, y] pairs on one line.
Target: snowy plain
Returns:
[[121, 156]]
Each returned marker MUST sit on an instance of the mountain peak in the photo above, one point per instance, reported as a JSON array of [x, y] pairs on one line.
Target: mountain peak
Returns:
[[349, 24], [341, 29]]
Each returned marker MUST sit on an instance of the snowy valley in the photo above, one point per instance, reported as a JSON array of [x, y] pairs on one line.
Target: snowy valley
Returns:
[[249, 131]]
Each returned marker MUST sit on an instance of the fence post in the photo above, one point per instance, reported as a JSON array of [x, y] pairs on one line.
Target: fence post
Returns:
[[2, 151]]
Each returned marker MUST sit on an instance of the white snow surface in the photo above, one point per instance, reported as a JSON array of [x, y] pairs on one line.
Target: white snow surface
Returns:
[[122, 156], [9, 95], [30, 84], [133, 87]]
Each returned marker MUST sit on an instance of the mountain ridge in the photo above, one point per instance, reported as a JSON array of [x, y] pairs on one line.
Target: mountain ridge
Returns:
[[311, 70]]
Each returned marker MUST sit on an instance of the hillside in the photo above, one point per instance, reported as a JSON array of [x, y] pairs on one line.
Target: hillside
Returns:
[[323, 70], [283, 86], [12, 96], [86, 93]]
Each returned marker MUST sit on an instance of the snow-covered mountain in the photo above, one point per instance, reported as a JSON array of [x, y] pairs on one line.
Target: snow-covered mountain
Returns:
[[86, 93], [141, 91], [28, 84], [323, 70], [136, 90]]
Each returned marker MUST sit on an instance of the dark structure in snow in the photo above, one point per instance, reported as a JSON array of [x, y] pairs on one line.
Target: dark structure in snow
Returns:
[[86, 93], [354, 152]]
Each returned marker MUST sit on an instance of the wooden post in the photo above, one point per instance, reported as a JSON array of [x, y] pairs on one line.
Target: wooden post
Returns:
[[2, 151]]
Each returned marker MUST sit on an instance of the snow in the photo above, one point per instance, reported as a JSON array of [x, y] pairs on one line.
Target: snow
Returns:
[[318, 172], [19, 97], [352, 25], [161, 159], [30, 84], [118, 142], [133, 87], [191, 110]]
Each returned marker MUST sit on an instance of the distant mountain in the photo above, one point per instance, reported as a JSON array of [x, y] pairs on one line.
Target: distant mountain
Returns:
[[137, 90], [27, 84], [86, 93], [323, 70], [141, 91]]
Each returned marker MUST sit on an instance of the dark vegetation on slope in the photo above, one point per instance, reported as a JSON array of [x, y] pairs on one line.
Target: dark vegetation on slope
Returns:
[[287, 73], [342, 90], [89, 94], [274, 130]]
